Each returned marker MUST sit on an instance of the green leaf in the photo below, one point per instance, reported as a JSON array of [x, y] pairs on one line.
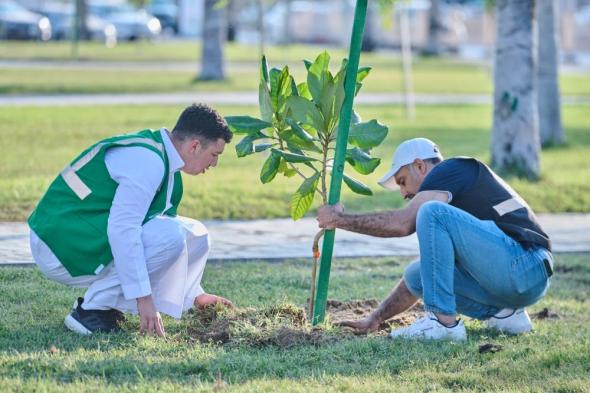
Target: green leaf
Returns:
[[285, 170], [246, 146], [246, 124], [292, 157], [285, 88], [327, 100], [264, 69], [356, 186], [355, 118], [289, 172], [362, 73], [305, 111], [299, 131], [296, 144], [307, 64], [275, 80], [362, 162], [264, 102], [317, 75], [294, 87], [263, 146], [270, 168], [304, 90], [303, 197], [367, 135]]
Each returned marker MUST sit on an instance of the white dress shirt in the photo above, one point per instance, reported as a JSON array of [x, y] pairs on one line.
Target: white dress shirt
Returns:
[[139, 173]]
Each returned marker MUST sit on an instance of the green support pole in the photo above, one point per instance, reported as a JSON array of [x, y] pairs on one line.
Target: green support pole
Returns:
[[356, 39]]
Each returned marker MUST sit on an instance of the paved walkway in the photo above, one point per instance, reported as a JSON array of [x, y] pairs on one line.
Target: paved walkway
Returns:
[[283, 238], [240, 98]]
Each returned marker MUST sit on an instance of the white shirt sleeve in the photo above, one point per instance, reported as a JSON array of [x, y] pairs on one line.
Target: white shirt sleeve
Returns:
[[139, 173]]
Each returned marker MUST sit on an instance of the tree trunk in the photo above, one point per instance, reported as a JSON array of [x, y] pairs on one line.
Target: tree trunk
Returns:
[[287, 25], [82, 15], [550, 127], [232, 22], [515, 135], [369, 43], [435, 26], [212, 55], [260, 27]]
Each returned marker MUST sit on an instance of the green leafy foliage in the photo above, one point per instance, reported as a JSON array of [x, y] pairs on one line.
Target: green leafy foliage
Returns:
[[299, 123], [303, 197], [367, 135], [356, 186]]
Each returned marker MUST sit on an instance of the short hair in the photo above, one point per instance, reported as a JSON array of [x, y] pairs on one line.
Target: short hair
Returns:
[[433, 160], [203, 122]]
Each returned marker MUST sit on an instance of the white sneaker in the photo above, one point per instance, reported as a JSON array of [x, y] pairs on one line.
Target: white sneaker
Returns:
[[511, 321], [430, 328]]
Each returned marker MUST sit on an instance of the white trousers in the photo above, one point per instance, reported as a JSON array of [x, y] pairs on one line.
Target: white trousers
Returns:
[[176, 250]]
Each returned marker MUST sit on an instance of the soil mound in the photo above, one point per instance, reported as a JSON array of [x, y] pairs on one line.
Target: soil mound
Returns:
[[358, 309], [284, 325]]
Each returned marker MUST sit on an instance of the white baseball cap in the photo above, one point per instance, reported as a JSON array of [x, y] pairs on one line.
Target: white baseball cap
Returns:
[[405, 154]]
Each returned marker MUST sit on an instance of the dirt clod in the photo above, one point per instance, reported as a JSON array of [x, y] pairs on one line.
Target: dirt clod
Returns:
[[545, 314], [490, 348]]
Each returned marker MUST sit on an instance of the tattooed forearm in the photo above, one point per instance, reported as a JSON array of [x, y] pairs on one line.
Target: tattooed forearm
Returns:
[[386, 224]]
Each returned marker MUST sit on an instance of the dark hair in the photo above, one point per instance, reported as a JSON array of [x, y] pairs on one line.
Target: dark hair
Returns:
[[433, 160], [203, 122]]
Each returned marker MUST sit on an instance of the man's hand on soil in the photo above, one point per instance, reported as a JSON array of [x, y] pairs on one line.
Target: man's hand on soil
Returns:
[[328, 215], [205, 300], [361, 326], [150, 319]]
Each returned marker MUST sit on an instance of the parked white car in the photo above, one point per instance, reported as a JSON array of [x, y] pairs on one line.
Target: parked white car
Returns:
[[131, 23]]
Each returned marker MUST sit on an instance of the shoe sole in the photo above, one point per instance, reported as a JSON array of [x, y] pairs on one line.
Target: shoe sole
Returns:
[[75, 326]]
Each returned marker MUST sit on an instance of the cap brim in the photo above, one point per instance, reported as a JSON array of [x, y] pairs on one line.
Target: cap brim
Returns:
[[388, 181]]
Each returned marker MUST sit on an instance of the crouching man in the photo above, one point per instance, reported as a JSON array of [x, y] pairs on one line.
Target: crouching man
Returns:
[[108, 222], [482, 252]]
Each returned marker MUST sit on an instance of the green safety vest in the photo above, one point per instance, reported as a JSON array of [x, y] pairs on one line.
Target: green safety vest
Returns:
[[72, 216]]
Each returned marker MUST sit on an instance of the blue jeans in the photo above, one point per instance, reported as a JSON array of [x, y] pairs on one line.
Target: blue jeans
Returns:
[[469, 266]]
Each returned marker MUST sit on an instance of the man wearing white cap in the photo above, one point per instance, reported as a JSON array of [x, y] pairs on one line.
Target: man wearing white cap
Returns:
[[482, 251]]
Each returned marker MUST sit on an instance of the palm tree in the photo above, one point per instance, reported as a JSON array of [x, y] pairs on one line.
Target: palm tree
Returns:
[[515, 135], [212, 54], [550, 126]]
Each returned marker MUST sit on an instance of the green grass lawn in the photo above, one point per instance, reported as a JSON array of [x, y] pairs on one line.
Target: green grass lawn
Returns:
[[38, 354], [38, 142], [428, 77], [444, 75]]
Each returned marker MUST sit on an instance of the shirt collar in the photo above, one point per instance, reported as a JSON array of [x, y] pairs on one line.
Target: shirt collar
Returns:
[[175, 162]]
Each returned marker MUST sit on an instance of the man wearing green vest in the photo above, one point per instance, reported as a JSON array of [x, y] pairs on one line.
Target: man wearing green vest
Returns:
[[108, 222]]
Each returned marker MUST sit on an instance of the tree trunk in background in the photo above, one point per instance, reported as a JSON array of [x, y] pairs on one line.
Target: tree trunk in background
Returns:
[[82, 15], [287, 25], [260, 27], [515, 135], [232, 22], [550, 126], [369, 43], [212, 54], [435, 27]]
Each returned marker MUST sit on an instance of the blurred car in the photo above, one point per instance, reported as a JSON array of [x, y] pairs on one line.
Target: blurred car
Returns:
[[167, 13], [63, 19], [18, 23], [131, 23]]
